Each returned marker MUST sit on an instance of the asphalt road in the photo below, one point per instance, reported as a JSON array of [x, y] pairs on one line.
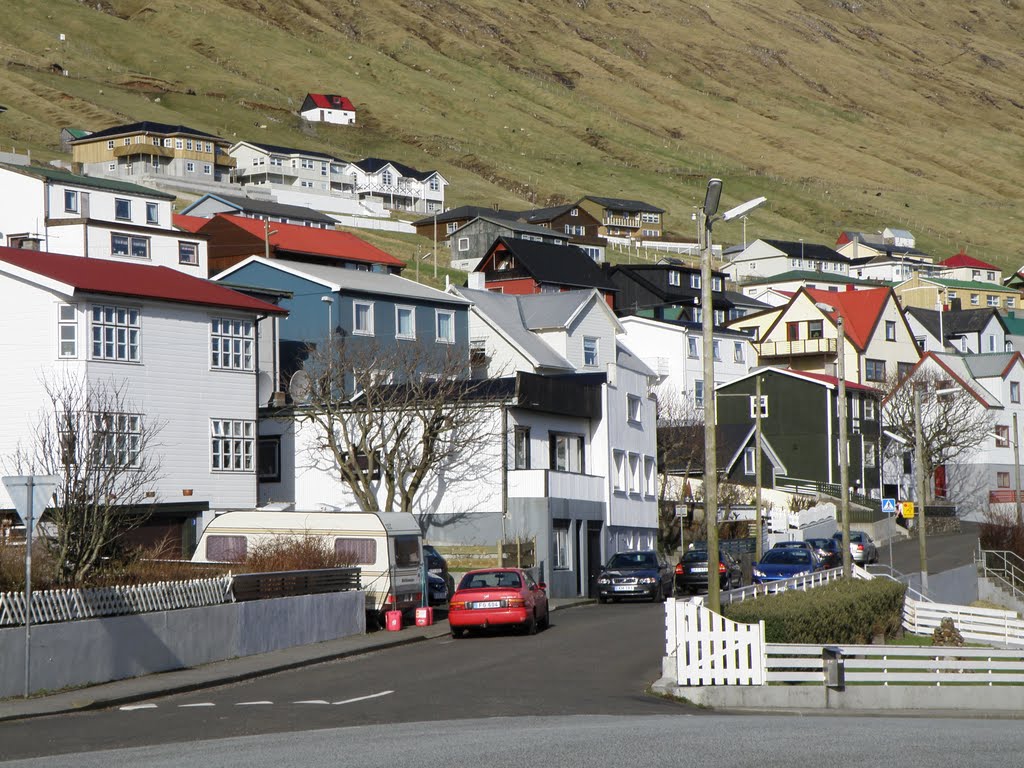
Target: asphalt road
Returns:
[[594, 660], [945, 552]]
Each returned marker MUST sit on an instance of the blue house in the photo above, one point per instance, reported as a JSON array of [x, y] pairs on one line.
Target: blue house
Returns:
[[377, 308]]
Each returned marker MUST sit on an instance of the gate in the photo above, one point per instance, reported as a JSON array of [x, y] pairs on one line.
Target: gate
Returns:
[[711, 649]]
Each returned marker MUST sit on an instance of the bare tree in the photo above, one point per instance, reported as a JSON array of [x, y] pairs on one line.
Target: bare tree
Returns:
[[395, 422], [953, 426], [104, 451], [680, 424]]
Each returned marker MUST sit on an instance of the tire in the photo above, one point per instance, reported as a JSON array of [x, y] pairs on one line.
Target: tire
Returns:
[[458, 634], [602, 599], [531, 625], [546, 621]]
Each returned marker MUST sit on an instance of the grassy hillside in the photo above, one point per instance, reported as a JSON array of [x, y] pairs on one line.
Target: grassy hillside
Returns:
[[847, 114]]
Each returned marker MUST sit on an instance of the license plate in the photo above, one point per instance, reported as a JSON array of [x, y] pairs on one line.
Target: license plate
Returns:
[[698, 570], [624, 589], [488, 604]]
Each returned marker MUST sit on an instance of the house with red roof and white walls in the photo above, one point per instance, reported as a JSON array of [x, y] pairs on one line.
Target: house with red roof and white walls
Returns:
[[967, 268], [328, 108], [233, 239], [803, 334], [181, 350]]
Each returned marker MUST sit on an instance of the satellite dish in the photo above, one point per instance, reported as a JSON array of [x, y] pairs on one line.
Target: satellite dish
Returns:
[[299, 387], [264, 388]]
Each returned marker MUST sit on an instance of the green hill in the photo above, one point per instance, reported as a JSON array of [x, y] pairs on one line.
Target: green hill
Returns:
[[847, 114]]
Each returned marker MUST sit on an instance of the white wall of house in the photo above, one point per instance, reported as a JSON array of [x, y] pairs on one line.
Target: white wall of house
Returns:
[[22, 211], [973, 274], [901, 349], [335, 116]]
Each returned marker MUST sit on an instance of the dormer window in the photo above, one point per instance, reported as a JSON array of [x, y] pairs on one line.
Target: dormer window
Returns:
[[574, 212], [503, 262], [385, 177]]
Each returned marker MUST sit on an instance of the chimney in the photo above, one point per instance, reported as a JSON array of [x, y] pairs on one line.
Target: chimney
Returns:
[[476, 281]]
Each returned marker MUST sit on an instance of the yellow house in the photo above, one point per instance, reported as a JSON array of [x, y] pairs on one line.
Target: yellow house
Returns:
[[928, 292]]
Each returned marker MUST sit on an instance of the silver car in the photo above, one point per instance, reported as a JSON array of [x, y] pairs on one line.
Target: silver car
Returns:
[[862, 548]]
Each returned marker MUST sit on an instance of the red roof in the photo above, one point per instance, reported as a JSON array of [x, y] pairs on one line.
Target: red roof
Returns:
[[331, 101], [860, 310], [963, 260], [138, 280], [327, 243], [831, 380], [188, 223]]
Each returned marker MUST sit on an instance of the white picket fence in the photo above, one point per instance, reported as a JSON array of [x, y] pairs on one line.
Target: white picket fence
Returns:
[[980, 625], [54, 605], [800, 583], [711, 649]]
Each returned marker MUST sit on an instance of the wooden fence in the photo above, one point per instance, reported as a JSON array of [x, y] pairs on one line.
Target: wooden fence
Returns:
[[711, 649], [521, 553], [980, 625]]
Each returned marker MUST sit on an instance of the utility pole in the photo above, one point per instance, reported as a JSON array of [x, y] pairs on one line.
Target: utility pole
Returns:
[[266, 238], [758, 522], [844, 458], [435, 245], [919, 477], [710, 447]]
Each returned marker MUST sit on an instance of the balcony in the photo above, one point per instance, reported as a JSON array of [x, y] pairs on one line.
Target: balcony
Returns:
[[622, 221], [797, 348], [548, 484]]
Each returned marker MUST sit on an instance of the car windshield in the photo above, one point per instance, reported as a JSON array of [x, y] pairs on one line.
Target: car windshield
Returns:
[[787, 556], [695, 556], [791, 545], [633, 560], [491, 580]]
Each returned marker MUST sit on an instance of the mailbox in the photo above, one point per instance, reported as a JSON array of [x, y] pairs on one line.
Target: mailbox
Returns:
[[834, 667]]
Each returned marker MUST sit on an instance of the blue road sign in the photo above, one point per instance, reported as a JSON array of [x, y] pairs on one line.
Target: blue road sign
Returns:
[[889, 506]]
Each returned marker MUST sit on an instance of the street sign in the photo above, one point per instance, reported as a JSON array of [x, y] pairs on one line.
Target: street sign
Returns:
[[40, 486], [907, 510], [889, 506]]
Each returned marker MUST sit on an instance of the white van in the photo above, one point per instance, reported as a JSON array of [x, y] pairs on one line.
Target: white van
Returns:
[[386, 546]]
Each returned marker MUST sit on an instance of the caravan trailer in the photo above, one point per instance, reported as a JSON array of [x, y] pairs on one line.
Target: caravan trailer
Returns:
[[386, 546]]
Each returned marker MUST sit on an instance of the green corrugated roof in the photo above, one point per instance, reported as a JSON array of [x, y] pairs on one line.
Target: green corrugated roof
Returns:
[[1014, 323], [94, 182], [968, 285], [821, 277], [78, 133]]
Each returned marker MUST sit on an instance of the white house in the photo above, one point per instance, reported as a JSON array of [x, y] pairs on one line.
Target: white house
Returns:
[[273, 167], [764, 258], [328, 108], [967, 331], [969, 269], [183, 349], [397, 186], [675, 351], [53, 210]]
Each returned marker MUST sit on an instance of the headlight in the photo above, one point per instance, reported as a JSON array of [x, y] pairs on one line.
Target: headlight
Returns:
[[647, 580], [759, 573], [604, 581]]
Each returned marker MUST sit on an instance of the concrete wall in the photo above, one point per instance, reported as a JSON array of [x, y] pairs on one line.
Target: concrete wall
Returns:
[[99, 650]]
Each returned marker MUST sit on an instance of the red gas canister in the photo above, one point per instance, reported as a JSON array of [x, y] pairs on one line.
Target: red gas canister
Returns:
[[424, 616], [393, 620]]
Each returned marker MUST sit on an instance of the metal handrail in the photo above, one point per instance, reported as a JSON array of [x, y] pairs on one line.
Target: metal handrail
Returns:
[[888, 572], [1010, 572]]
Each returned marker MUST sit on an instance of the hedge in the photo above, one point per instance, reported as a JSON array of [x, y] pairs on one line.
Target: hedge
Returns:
[[849, 611]]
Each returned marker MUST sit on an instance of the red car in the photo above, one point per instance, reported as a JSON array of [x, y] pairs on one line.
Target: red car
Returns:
[[498, 597]]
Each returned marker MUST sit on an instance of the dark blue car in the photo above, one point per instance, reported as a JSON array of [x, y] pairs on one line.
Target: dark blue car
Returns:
[[784, 563]]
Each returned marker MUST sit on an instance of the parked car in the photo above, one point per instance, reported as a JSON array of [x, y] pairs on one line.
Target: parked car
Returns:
[[644, 573], [437, 589], [783, 563], [438, 565], [692, 571], [794, 545], [829, 552], [498, 597], [862, 548]]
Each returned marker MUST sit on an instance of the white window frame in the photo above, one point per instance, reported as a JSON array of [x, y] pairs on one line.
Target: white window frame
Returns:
[[71, 200], [122, 201], [695, 280], [575, 452], [619, 481], [399, 309], [635, 474], [232, 445], [634, 409], [444, 338], [179, 143], [560, 545], [116, 333], [716, 284], [870, 413], [131, 241], [183, 247], [692, 351], [152, 213], [67, 331], [463, 244], [698, 393], [591, 360], [116, 439], [750, 461], [738, 354], [753, 406], [368, 306], [870, 455], [674, 277], [890, 330], [232, 344], [190, 167]]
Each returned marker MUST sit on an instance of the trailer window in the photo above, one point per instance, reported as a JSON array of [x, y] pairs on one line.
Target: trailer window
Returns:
[[356, 551], [407, 551], [226, 549]]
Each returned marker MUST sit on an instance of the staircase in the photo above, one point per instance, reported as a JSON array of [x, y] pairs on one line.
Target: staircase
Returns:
[[1001, 577]]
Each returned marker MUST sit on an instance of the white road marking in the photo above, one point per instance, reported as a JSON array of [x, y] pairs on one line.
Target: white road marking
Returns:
[[130, 707], [198, 704], [312, 701], [252, 703], [364, 698]]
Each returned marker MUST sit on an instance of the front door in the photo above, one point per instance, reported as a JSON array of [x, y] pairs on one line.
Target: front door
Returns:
[[593, 556]]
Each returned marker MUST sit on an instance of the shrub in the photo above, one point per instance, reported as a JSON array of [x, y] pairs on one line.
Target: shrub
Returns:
[[293, 553], [850, 611]]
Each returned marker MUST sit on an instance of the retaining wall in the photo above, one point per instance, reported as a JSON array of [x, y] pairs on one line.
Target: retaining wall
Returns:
[[77, 653]]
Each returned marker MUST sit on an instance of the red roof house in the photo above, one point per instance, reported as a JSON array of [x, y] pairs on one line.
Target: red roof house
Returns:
[[961, 259], [328, 108]]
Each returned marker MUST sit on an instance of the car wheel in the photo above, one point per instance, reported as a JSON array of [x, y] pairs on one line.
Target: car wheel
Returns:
[[458, 634], [602, 599], [531, 624], [546, 621]]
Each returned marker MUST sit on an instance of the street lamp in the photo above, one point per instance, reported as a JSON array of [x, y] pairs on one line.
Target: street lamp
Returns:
[[705, 219]]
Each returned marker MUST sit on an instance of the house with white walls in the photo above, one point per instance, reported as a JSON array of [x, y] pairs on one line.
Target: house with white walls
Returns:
[[764, 258], [53, 210], [398, 187], [328, 108], [967, 331], [182, 348]]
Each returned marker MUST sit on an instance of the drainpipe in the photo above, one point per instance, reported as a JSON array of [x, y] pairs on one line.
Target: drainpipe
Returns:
[[504, 470]]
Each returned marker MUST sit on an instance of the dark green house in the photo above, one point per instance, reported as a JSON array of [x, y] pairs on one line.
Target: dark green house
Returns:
[[800, 431]]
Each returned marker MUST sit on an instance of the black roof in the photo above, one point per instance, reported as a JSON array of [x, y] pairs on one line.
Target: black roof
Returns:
[[955, 322], [558, 264], [545, 214], [279, 150], [270, 208], [374, 164], [147, 126], [621, 204], [814, 251], [466, 212], [641, 273]]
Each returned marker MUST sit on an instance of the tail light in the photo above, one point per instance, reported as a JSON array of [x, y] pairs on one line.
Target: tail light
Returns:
[[389, 600], [460, 605], [515, 602], [860, 547], [679, 569], [721, 567]]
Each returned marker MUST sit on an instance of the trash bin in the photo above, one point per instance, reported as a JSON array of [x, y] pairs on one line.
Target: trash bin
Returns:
[[834, 667]]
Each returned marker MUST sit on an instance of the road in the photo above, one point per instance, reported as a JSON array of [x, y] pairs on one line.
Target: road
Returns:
[[945, 552]]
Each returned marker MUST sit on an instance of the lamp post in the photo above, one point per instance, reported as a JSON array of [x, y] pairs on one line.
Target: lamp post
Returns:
[[705, 219]]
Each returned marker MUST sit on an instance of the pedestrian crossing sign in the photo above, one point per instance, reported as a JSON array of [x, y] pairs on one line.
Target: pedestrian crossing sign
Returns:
[[889, 506]]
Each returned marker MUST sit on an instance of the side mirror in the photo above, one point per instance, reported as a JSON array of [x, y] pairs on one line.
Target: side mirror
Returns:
[[542, 586]]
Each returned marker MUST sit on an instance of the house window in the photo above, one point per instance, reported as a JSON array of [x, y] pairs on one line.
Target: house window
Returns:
[[975, 300], [870, 455], [718, 316], [268, 459], [691, 347], [1011, 302], [1002, 479], [179, 144], [1014, 391], [716, 284], [574, 212], [874, 370], [129, 245], [620, 470], [116, 333], [385, 177], [207, 169], [749, 461], [445, 327], [951, 295], [188, 144], [566, 452], [110, 144], [698, 393], [560, 531], [232, 443], [753, 406], [634, 408], [992, 300], [869, 409], [116, 439], [792, 331], [650, 476], [152, 213], [463, 244], [674, 278], [695, 280], [231, 344], [903, 370], [362, 318], [67, 330], [635, 477], [716, 350], [405, 327], [1002, 436], [890, 330], [991, 343], [435, 184], [815, 329], [521, 448], [188, 253], [112, 166], [70, 201], [190, 167], [478, 359], [737, 352], [122, 209], [589, 352]]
